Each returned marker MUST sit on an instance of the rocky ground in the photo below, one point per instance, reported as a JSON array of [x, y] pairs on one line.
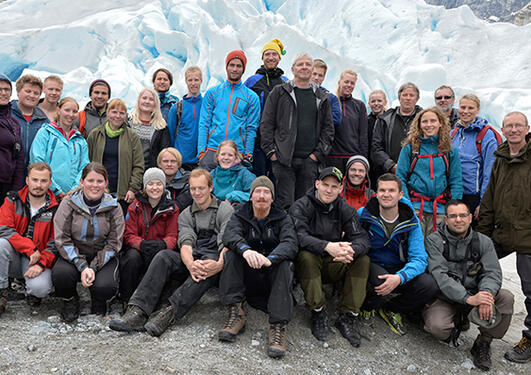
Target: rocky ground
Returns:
[[35, 341]]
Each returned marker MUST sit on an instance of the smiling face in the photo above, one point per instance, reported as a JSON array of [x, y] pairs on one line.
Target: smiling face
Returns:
[[68, 114], [199, 189], [429, 124], [52, 91], [444, 99], [234, 70], [227, 156], [154, 189], [408, 98], [458, 218], [377, 102], [93, 185], [328, 189], [346, 84], [28, 96], [356, 173], [270, 59], [388, 194], [515, 129], [146, 102], [468, 111], [161, 82], [169, 164], [116, 116], [5, 92], [99, 95], [193, 82]]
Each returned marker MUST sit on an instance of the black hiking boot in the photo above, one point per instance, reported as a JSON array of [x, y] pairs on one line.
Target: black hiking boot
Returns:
[[349, 326], [481, 355], [133, 320], [320, 328], [70, 310], [160, 321]]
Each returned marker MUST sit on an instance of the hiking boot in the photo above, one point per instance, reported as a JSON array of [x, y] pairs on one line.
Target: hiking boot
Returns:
[[133, 320], [481, 355], [70, 310], [320, 329], [348, 325], [33, 301], [235, 324], [521, 352], [367, 317], [160, 321], [277, 340], [3, 300], [394, 320], [13, 295]]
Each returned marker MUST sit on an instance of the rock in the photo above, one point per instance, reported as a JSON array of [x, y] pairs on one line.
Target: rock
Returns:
[[40, 328], [468, 364], [54, 319], [412, 368], [31, 348], [325, 345], [367, 371], [170, 370], [54, 369], [255, 342]]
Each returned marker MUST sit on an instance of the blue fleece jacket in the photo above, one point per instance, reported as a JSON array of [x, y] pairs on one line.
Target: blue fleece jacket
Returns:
[[67, 158], [186, 139], [233, 183], [429, 176], [404, 249], [229, 111], [475, 167]]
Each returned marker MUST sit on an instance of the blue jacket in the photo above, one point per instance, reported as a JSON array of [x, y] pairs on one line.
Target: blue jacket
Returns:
[[405, 249], [166, 102], [233, 184], [475, 167], [28, 130], [337, 115], [186, 139], [422, 181], [67, 158], [229, 111]]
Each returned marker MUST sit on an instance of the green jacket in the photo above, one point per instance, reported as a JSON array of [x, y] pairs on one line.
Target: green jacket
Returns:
[[505, 212], [131, 163]]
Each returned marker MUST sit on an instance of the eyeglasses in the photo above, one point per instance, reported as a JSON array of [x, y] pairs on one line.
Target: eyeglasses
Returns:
[[446, 97], [514, 126], [454, 216]]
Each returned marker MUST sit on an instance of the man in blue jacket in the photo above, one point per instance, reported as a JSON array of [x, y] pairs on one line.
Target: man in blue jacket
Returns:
[[398, 257], [230, 110]]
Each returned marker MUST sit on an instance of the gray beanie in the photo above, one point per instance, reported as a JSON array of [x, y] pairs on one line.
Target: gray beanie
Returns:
[[358, 159], [263, 181], [154, 174]]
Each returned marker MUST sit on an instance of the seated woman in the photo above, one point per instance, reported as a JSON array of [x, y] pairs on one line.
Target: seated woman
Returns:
[[89, 226], [151, 225], [62, 147], [430, 168], [170, 161], [232, 181]]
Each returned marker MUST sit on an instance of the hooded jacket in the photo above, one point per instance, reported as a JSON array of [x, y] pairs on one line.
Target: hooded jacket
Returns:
[[443, 270], [356, 197], [184, 139], [28, 130], [278, 126], [263, 81], [505, 212], [66, 157], [317, 224], [87, 240], [404, 249], [25, 233], [351, 135], [233, 183], [12, 171], [476, 167], [141, 223], [93, 119], [229, 111], [179, 189], [276, 238]]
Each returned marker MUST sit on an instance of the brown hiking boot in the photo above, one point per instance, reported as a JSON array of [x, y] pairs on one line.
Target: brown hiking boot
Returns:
[[3, 300], [277, 340], [133, 320], [235, 324]]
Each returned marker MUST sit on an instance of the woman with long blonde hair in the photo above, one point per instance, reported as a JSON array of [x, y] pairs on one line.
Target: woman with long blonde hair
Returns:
[[429, 167]]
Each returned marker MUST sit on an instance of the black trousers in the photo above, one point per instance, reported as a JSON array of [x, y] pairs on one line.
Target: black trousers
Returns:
[[267, 289], [167, 265], [65, 277], [412, 296], [132, 268], [293, 182]]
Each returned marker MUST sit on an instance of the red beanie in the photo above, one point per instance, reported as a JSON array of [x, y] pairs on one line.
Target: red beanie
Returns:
[[236, 54]]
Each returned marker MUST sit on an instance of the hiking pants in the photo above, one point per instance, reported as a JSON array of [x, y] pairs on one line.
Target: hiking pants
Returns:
[[293, 182]]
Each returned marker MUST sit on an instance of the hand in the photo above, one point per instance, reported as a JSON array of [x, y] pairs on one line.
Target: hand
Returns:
[[481, 298], [313, 157], [197, 271], [393, 169], [485, 311], [274, 157], [33, 271], [211, 268], [476, 213], [34, 258], [255, 259], [340, 251], [129, 196], [390, 283], [87, 277]]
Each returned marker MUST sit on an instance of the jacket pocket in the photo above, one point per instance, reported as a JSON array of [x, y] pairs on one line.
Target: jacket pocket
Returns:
[[239, 109]]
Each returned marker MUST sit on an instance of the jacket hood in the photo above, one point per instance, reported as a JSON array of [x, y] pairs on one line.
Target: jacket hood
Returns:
[[405, 211], [52, 131], [272, 73], [50, 197], [504, 151], [90, 108], [107, 202], [38, 114], [245, 212], [478, 123]]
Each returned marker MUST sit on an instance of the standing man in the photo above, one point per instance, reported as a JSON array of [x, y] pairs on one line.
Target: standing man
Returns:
[[504, 213], [25, 110], [53, 88], [183, 119], [95, 112], [466, 269], [297, 131], [162, 80], [444, 99], [267, 76], [262, 243], [318, 76], [398, 256], [26, 227], [332, 250], [392, 127], [230, 110]]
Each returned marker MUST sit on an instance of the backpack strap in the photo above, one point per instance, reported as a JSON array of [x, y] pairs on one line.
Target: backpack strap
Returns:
[[211, 223], [481, 135], [454, 132], [82, 115]]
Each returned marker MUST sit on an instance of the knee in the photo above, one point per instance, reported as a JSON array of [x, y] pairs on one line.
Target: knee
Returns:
[[438, 328], [427, 284], [505, 301], [307, 264], [362, 264], [40, 286], [5, 249]]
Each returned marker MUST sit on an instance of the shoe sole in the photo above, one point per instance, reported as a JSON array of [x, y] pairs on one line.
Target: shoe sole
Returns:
[[117, 325], [229, 337], [384, 317], [516, 360], [275, 353], [152, 330]]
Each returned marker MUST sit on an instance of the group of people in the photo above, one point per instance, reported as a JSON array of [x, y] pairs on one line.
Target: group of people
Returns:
[[233, 188]]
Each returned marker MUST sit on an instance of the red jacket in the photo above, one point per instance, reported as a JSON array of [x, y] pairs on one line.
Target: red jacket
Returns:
[[28, 235], [162, 226], [356, 197]]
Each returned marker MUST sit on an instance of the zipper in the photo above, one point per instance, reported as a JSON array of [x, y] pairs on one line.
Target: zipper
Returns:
[[229, 111]]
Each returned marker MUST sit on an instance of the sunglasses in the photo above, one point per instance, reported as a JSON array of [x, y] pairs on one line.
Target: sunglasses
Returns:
[[443, 97]]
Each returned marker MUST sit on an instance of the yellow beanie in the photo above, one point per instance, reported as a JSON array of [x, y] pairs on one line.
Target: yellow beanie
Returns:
[[275, 45]]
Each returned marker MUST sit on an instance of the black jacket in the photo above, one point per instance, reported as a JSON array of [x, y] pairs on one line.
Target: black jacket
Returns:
[[381, 139], [180, 190], [160, 140], [351, 136], [318, 223], [277, 239], [278, 126]]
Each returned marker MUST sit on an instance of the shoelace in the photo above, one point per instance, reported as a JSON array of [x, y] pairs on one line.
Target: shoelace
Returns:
[[233, 317], [277, 334], [522, 346], [484, 351]]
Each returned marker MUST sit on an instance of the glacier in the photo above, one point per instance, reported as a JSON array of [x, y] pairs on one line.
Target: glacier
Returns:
[[388, 42]]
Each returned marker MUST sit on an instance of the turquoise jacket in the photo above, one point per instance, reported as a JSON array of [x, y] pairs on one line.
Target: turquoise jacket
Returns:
[[429, 176], [229, 111], [233, 184], [67, 158]]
